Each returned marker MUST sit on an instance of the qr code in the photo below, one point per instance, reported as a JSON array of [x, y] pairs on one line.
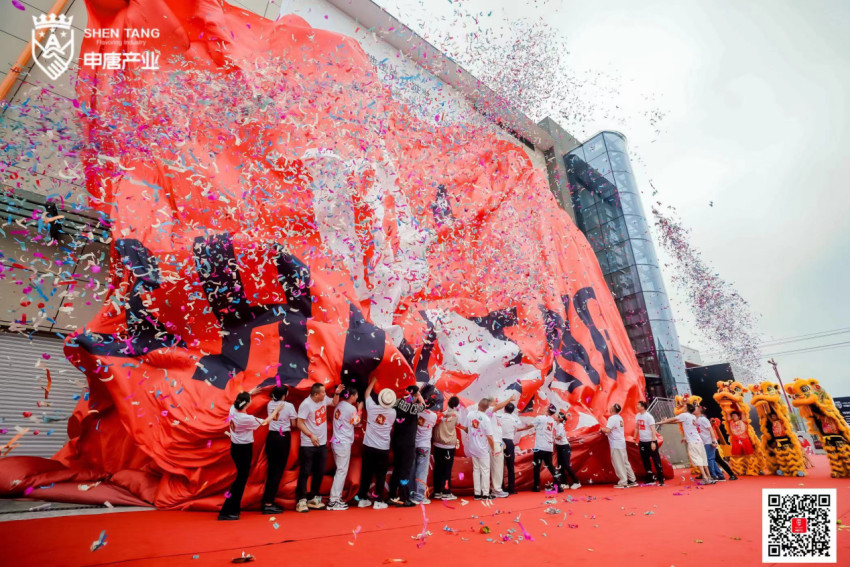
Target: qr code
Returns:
[[798, 525]]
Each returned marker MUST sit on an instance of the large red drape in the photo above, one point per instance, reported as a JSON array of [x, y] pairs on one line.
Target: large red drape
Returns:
[[279, 217]]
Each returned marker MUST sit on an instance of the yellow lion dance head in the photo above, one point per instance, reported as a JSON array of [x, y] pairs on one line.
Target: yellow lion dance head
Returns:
[[682, 401]]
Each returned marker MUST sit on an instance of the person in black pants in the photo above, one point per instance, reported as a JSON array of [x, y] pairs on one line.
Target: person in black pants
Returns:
[[544, 438], [647, 437], [445, 445], [278, 443], [511, 425], [242, 426], [564, 451], [407, 411]]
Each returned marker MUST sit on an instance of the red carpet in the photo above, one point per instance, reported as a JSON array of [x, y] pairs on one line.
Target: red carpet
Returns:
[[688, 525]]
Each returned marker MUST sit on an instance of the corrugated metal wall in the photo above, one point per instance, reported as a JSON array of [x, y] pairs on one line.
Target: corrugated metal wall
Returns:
[[23, 377]]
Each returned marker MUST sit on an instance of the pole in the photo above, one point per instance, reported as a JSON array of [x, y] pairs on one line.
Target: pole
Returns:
[[782, 387]]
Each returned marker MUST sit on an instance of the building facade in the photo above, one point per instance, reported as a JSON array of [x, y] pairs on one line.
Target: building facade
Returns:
[[607, 208]]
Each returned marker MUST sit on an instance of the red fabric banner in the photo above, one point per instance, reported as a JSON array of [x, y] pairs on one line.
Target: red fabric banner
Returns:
[[279, 217]]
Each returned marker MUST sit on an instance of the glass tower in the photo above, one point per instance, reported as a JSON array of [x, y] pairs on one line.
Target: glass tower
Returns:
[[608, 210]]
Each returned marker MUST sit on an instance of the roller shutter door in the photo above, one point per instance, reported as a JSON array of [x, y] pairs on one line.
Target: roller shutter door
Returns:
[[23, 364]]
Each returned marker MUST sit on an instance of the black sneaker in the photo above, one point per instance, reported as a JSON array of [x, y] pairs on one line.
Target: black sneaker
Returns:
[[227, 517], [479, 497], [733, 477], [272, 509]]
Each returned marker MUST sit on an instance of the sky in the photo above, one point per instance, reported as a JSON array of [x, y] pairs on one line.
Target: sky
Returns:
[[752, 150]]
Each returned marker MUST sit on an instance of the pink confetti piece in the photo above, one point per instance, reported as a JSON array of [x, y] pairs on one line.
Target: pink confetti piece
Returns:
[[18, 5]]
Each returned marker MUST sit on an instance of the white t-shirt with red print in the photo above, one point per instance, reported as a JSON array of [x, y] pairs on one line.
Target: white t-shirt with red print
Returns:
[[345, 415], [379, 424], [643, 423], [315, 416], [425, 428], [479, 429], [544, 432]]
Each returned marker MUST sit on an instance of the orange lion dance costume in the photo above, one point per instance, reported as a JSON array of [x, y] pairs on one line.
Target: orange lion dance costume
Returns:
[[746, 454], [782, 449], [824, 420]]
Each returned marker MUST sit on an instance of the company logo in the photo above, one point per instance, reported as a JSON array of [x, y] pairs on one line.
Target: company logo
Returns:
[[380, 420], [55, 36], [799, 526]]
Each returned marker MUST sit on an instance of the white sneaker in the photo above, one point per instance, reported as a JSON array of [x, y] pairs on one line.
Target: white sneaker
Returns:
[[500, 494], [449, 496], [562, 487], [315, 503], [364, 504], [426, 501], [337, 505], [302, 506], [575, 486], [379, 505]]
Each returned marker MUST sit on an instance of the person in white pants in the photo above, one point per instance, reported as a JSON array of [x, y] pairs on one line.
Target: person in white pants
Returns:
[[345, 418], [479, 446], [615, 430], [497, 457]]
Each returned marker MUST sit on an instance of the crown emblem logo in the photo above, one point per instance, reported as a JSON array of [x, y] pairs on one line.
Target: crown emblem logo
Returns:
[[53, 43], [53, 21]]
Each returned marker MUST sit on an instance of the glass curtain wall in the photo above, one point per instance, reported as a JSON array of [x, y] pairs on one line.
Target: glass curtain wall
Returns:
[[609, 212]]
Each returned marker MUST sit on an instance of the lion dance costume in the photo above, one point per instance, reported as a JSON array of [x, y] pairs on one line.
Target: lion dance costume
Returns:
[[680, 407], [824, 420], [781, 447], [746, 454]]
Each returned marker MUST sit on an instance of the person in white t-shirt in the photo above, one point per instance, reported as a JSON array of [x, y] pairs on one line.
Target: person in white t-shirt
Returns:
[[479, 445], [564, 452], [497, 458], [345, 418], [380, 416], [696, 450], [278, 444], [511, 425], [647, 438], [424, 432], [544, 440], [242, 426], [709, 441], [313, 424], [615, 430]]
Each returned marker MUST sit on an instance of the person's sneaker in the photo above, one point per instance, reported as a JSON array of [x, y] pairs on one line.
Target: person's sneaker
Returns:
[[227, 517], [379, 505], [364, 504], [500, 494], [315, 503], [337, 505], [438, 496], [661, 483], [272, 509], [575, 486], [650, 483], [479, 497], [396, 501], [302, 506], [407, 504], [424, 501], [733, 477], [707, 482], [631, 484], [618, 485], [720, 478], [449, 496]]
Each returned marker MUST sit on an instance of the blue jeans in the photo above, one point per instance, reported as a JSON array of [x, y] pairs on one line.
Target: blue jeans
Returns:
[[420, 476], [713, 469]]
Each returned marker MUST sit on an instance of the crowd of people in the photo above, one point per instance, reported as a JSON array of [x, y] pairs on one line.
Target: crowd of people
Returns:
[[410, 428]]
